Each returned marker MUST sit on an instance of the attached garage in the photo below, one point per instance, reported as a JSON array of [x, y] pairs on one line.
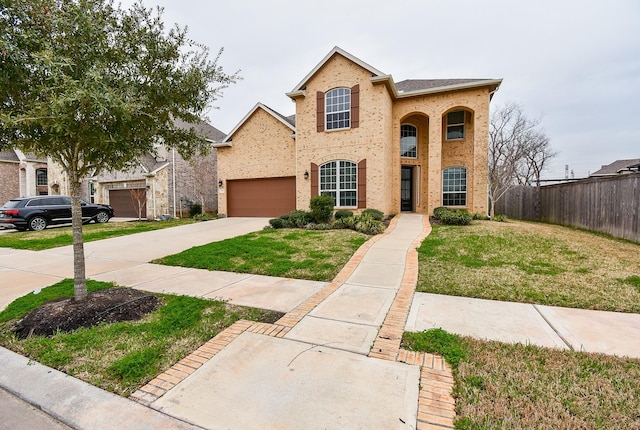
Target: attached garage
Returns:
[[266, 197], [125, 204]]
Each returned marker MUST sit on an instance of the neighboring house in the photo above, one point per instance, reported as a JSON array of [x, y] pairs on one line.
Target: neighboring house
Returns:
[[364, 139], [618, 167], [22, 175], [148, 189]]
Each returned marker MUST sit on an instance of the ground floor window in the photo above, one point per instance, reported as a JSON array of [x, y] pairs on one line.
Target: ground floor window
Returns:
[[454, 186], [339, 179]]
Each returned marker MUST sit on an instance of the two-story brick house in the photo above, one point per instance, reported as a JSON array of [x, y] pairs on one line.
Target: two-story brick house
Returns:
[[366, 140]]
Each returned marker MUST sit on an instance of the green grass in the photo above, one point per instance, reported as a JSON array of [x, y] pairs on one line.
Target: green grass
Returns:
[[500, 385], [120, 357], [62, 236], [531, 263], [290, 253]]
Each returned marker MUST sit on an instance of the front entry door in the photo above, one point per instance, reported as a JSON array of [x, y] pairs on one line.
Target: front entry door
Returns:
[[406, 189]]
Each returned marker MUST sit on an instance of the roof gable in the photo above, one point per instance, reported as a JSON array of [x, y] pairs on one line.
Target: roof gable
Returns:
[[335, 51], [402, 89], [286, 121]]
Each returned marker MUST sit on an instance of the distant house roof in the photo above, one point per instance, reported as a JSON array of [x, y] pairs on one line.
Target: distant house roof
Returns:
[[9, 156], [618, 167], [206, 129]]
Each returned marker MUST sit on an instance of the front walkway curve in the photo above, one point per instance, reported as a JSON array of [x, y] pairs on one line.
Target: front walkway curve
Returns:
[[435, 407]]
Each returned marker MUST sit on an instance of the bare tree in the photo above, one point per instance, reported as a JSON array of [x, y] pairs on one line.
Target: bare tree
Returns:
[[518, 151], [138, 197], [203, 165]]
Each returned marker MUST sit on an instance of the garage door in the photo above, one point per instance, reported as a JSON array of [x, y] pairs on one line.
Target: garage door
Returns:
[[268, 197], [124, 202]]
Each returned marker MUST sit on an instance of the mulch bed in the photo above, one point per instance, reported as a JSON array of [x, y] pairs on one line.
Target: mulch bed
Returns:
[[103, 306]]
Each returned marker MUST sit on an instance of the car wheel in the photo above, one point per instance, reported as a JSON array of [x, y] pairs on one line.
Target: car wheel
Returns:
[[37, 223], [102, 217]]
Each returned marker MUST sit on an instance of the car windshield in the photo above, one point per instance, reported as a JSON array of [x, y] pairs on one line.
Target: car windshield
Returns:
[[11, 204]]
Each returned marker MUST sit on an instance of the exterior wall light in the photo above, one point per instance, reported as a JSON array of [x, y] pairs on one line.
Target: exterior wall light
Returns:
[[220, 183], [306, 174]]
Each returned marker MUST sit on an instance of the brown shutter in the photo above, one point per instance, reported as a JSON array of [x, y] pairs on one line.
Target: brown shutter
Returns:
[[314, 180], [362, 184], [355, 106], [320, 111]]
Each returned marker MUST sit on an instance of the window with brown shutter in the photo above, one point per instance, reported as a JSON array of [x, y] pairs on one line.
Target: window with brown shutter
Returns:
[[320, 111], [355, 106], [362, 184], [314, 180]]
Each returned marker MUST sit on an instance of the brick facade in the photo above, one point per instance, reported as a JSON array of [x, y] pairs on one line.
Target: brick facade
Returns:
[[262, 147]]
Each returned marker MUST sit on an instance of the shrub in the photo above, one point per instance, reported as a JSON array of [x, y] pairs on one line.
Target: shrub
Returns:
[[348, 222], [500, 218], [367, 225], [374, 213], [202, 217], [437, 212], [457, 217], [321, 208], [276, 223], [343, 213], [296, 219], [195, 209], [479, 216]]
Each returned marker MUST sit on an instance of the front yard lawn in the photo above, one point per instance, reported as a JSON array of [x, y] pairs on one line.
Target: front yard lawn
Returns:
[[531, 263], [63, 236], [122, 356], [290, 253], [505, 386]]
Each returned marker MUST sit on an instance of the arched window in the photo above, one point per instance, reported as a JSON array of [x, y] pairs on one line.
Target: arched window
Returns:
[[339, 179], [338, 108], [454, 186], [41, 177], [408, 141]]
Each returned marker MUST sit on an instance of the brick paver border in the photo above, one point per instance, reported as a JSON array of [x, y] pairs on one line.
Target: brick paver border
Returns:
[[436, 406]]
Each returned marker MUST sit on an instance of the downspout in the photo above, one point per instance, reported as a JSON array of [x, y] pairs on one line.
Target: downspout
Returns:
[[173, 174]]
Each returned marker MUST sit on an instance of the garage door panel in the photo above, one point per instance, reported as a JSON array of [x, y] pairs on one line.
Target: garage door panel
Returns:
[[266, 197], [124, 205]]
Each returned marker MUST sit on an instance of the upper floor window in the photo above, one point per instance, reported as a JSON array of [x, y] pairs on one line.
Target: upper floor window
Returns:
[[455, 125], [338, 108], [454, 186], [339, 179], [408, 141], [41, 177]]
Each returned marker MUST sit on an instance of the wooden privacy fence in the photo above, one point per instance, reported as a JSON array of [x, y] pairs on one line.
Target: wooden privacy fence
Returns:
[[609, 205]]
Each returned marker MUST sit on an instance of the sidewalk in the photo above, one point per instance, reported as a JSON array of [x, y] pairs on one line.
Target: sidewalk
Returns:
[[333, 361]]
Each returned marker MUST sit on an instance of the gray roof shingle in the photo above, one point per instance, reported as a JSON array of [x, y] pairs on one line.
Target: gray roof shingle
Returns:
[[411, 85], [617, 166]]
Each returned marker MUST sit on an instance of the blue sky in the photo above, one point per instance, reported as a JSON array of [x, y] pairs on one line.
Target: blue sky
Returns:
[[574, 65]]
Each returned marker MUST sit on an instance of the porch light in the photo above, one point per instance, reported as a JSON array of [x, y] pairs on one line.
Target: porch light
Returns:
[[306, 174], [220, 183]]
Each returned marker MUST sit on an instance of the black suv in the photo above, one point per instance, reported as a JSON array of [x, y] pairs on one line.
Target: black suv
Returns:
[[36, 213]]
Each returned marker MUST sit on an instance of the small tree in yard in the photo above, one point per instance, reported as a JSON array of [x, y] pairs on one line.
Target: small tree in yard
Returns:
[[94, 87], [138, 197]]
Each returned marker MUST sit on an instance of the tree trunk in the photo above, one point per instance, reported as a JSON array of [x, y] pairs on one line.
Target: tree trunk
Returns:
[[79, 276]]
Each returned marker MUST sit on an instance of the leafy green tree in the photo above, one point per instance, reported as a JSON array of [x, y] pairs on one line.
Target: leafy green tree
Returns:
[[94, 87]]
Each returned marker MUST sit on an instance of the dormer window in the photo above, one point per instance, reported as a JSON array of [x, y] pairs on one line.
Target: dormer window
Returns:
[[338, 108], [455, 125]]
